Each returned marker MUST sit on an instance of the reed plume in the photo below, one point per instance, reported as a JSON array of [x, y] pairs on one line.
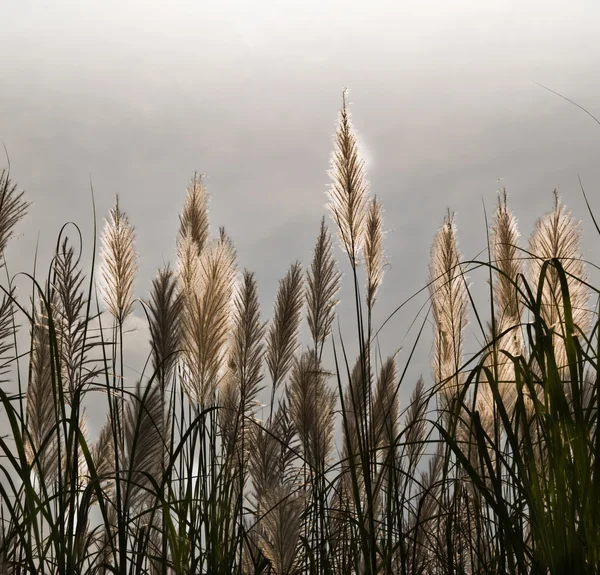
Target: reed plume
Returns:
[[165, 307], [279, 501], [119, 263], [231, 412], [279, 537], [311, 409], [273, 454], [449, 306], [41, 444], [206, 320], [239, 390], [323, 283], [373, 250], [145, 441], [282, 335], [386, 403], [348, 191], [356, 415], [246, 347], [507, 310], [415, 426], [12, 208], [70, 321], [7, 331], [557, 235], [193, 220], [103, 455]]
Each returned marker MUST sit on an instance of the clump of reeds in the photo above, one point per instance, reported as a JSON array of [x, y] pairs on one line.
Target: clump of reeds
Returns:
[[243, 447]]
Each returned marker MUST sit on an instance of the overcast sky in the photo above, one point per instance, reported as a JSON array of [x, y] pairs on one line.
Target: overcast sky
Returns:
[[138, 95]]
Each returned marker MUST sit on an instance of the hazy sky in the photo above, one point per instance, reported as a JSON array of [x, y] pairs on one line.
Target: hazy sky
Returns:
[[138, 95]]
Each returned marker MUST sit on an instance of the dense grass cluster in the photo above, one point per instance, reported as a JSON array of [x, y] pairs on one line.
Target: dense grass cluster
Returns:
[[493, 466]]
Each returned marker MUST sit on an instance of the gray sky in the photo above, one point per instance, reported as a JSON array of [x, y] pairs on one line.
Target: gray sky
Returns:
[[139, 94]]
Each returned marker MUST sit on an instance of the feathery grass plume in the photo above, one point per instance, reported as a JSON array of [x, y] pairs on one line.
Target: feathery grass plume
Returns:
[[103, 455], [165, 307], [119, 263], [206, 320], [263, 464], [505, 238], [279, 536], [356, 426], [323, 284], [193, 221], [7, 331], [449, 305], [41, 444], [247, 348], [386, 406], [12, 208], [282, 335], [356, 415], [82, 466], [145, 440], [557, 235], [348, 191], [508, 309], [241, 386], [272, 454], [188, 263], [416, 426], [425, 517], [373, 250], [230, 414], [311, 409], [70, 321], [279, 502]]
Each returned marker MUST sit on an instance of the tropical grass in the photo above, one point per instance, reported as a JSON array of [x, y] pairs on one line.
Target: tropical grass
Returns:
[[491, 467]]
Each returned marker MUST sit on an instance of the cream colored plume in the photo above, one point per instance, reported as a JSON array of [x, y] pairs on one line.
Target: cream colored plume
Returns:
[[449, 305], [558, 235], [323, 283], [373, 250], [206, 319], [508, 260], [194, 216], [282, 335], [118, 263], [349, 188], [164, 313], [312, 406], [41, 445]]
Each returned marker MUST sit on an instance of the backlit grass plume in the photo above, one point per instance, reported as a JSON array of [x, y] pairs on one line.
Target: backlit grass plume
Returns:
[[508, 260], [349, 188], [282, 334], [323, 282], [119, 263], [145, 442], [165, 307], [41, 444], [12, 208], [206, 320], [449, 307], [311, 409], [247, 345], [557, 235], [7, 330], [194, 216], [386, 403], [373, 250], [239, 390], [70, 321]]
